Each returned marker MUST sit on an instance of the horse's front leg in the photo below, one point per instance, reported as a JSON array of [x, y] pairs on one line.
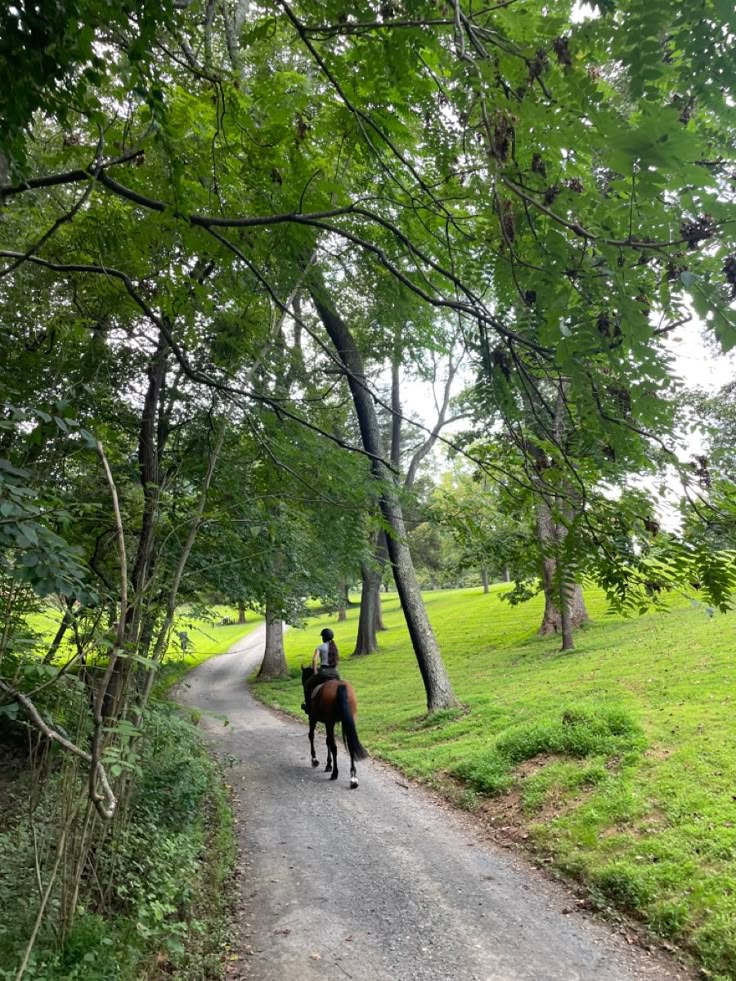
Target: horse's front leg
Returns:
[[333, 747], [312, 727], [328, 768]]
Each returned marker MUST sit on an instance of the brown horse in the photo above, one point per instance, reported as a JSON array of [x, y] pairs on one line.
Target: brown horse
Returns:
[[333, 702]]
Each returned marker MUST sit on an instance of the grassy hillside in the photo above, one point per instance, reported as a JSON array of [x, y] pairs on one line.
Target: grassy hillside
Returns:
[[615, 762], [205, 638]]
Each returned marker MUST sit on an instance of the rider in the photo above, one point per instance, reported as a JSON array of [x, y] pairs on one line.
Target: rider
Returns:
[[324, 664]]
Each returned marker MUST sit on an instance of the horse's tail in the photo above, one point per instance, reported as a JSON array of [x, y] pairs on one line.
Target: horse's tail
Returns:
[[349, 732]]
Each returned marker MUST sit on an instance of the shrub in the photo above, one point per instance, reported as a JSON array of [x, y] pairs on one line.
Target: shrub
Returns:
[[156, 862], [577, 733], [621, 882]]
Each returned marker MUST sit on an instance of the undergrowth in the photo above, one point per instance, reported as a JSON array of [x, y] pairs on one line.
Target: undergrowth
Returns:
[[154, 900]]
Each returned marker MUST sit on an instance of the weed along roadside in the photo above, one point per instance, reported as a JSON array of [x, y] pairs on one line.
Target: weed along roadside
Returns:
[[158, 903], [613, 764]]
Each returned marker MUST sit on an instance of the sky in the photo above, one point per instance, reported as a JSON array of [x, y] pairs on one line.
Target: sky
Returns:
[[696, 361]]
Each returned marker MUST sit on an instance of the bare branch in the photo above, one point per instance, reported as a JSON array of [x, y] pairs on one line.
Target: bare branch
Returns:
[[107, 804], [434, 434]]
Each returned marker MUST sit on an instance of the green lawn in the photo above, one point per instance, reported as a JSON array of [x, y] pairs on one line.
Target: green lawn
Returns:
[[616, 760], [205, 639]]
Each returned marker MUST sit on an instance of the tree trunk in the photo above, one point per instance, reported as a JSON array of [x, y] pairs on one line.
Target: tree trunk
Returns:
[[64, 625], [551, 622], [274, 660], [484, 578], [434, 674], [151, 441], [342, 590], [395, 412], [547, 534], [565, 617], [552, 618], [380, 625], [366, 641], [152, 436], [241, 611], [381, 558], [506, 574]]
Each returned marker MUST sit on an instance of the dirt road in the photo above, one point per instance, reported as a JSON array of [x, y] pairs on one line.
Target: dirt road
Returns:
[[380, 883]]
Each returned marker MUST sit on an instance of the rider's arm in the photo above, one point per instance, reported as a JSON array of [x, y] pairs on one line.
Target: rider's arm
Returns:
[[315, 659]]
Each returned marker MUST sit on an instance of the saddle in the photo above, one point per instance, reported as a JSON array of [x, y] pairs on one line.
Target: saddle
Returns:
[[308, 702], [316, 689]]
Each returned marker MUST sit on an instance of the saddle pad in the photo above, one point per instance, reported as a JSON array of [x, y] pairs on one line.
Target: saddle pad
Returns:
[[318, 688]]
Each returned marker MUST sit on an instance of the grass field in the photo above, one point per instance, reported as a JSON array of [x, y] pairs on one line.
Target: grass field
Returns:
[[205, 639], [615, 762]]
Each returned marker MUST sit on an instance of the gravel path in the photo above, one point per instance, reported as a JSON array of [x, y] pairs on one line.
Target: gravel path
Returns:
[[381, 883]]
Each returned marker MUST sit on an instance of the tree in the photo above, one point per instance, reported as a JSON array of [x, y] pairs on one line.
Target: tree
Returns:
[[405, 461], [278, 535], [490, 532], [434, 675], [575, 245]]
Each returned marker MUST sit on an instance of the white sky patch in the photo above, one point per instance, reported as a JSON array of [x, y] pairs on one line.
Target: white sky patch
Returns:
[[581, 12], [696, 362]]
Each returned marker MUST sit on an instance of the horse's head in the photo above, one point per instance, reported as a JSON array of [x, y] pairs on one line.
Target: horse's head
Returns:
[[307, 673]]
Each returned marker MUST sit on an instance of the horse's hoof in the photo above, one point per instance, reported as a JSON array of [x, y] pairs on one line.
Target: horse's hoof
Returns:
[[334, 775], [353, 783], [315, 762], [328, 769]]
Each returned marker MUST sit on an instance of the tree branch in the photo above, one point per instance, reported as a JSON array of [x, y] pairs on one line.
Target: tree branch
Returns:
[[433, 436], [105, 805], [69, 177], [192, 373]]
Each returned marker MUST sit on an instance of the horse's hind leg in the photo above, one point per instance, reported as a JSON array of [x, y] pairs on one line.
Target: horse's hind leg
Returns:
[[353, 773], [328, 767], [333, 747], [312, 727]]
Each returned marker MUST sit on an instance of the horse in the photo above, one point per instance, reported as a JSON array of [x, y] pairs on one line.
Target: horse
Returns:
[[334, 701]]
